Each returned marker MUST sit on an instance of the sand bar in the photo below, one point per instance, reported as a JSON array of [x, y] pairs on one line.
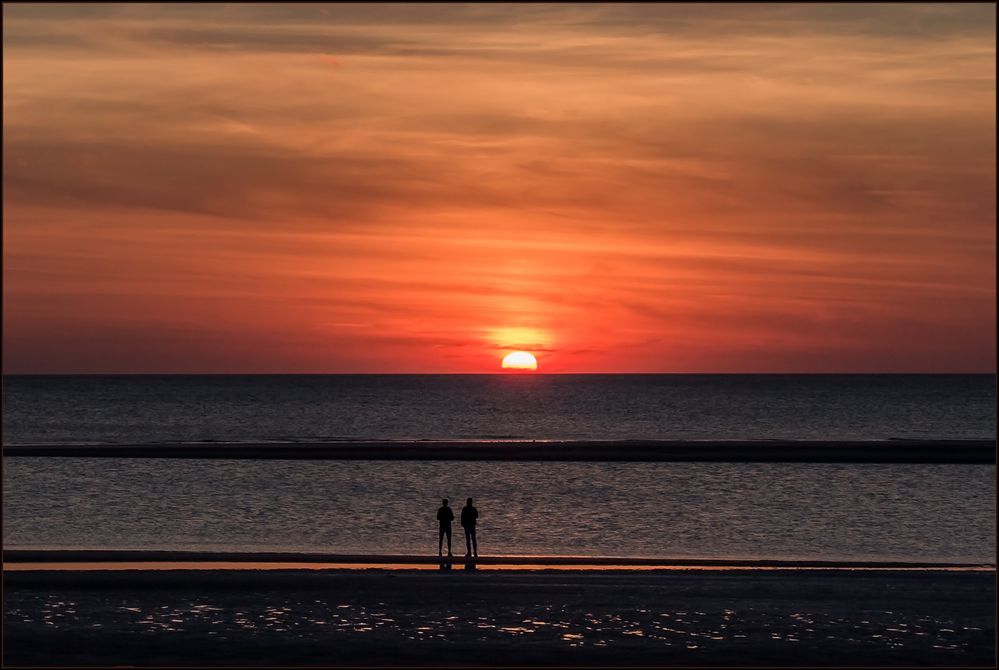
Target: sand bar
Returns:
[[32, 556], [746, 451]]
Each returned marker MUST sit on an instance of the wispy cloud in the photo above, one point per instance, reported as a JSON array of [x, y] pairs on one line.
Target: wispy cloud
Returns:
[[647, 187]]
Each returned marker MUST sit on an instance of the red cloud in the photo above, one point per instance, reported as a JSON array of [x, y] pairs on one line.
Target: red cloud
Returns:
[[331, 60]]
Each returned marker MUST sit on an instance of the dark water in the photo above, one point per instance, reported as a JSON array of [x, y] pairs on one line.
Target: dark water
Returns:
[[706, 510], [143, 409]]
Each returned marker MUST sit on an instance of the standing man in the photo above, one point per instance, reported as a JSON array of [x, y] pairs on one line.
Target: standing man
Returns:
[[445, 515], [468, 516]]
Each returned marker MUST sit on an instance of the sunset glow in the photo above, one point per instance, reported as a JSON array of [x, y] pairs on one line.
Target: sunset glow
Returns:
[[520, 360], [257, 188]]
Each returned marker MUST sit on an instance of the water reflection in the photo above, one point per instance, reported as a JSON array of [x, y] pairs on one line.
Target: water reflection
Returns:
[[664, 627]]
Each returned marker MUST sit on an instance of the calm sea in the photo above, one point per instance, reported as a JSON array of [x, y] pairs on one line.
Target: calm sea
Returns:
[[707, 510], [143, 409]]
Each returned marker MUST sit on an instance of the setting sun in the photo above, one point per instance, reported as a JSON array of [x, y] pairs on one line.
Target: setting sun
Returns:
[[520, 360]]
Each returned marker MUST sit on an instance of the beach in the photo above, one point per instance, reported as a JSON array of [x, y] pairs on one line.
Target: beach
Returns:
[[556, 616]]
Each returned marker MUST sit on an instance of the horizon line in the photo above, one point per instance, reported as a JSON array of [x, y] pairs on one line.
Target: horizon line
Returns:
[[469, 374]]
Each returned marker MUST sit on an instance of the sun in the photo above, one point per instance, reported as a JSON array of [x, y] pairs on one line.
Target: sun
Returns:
[[520, 360]]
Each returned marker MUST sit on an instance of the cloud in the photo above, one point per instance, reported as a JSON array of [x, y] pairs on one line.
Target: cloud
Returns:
[[430, 169]]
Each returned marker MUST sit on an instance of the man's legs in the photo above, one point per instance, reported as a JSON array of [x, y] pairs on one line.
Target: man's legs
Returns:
[[448, 531], [475, 543], [440, 540], [468, 541]]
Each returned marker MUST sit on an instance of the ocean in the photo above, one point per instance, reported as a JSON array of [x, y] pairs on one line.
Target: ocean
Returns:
[[787, 511], [321, 408]]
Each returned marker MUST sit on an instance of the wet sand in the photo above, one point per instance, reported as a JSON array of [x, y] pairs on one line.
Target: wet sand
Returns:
[[16, 558], [735, 451], [678, 617]]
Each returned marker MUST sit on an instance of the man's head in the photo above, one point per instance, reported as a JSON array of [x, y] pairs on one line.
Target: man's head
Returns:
[[444, 502], [468, 502]]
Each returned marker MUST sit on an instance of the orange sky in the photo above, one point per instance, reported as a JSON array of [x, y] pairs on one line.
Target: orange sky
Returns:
[[423, 188]]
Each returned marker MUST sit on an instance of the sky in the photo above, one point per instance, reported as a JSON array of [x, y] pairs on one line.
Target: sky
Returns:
[[381, 188]]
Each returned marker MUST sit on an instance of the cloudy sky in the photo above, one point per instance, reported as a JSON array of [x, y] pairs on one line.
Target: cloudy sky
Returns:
[[423, 188]]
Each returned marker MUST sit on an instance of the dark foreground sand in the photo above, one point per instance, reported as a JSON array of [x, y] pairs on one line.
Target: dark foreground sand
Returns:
[[556, 617]]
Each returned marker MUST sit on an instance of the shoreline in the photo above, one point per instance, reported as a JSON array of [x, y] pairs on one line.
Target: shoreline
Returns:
[[161, 567], [575, 563], [735, 451]]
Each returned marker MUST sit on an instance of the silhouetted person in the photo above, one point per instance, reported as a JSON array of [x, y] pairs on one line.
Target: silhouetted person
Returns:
[[445, 515], [468, 516]]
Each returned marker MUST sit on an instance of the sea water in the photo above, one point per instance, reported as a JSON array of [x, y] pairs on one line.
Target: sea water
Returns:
[[317, 408], [817, 511]]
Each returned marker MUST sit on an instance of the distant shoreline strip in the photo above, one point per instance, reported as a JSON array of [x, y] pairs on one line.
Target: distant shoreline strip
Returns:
[[735, 451], [15, 556]]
